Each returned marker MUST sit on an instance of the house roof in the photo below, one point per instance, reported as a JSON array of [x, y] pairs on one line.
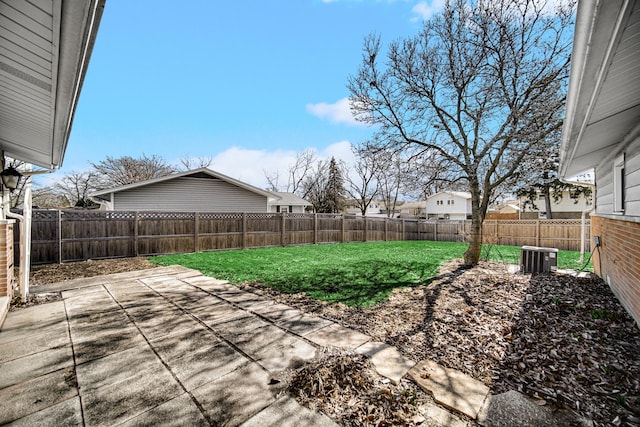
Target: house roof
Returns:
[[190, 173], [414, 205], [290, 199], [460, 194], [603, 102], [46, 49]]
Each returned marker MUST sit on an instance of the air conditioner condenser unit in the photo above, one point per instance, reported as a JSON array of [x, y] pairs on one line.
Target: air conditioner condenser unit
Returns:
[[538, 260]]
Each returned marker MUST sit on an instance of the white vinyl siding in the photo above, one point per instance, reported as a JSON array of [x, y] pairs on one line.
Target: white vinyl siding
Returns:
[[605, 184], [189, 194]]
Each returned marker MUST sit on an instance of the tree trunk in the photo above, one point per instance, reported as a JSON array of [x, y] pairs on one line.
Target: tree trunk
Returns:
[[472, 254], [547, 202]]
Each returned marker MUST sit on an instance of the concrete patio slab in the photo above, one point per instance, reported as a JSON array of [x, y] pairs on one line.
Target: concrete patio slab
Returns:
[[515, 409], [237, 396], [441, 417], [82, 291], [103, 345], [286, 412], [158, 348], [206, 365], [223, 312], [206, 282], [166, 324], [303, 324], [277, 312], [35, 365], [36, 317], [287, 353], [241, 325], [387, 360], [31, 344], [336, 335], [177, 412], [116, 367], [65, 413], [26, 398], [451, 388], [175, 345], [118, 402]]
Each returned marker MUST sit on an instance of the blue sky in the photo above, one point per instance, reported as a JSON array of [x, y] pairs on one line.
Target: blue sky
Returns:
[[249, 84]]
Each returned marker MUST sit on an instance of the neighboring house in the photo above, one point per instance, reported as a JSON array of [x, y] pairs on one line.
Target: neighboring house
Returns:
[[46, 46], [198, 190], [602, 132], [454, 205], [288, 203], [374, 209], [565, 208], [414, 209], [508, 210]]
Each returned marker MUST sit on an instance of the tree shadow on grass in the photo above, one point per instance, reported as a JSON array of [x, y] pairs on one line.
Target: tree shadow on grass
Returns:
[[363, 284]]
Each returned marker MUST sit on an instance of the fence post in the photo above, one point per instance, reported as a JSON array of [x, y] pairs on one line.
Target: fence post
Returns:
[[59, 236], [386, 229], [282, 229], [364, 237], [404, 235], [315, 228], [435, 231], [538, 232], [136, 232], [343, 228], [244, 230], [196, 232]]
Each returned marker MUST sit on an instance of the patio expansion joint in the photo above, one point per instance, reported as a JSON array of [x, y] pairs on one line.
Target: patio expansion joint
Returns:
[[203, 324], [75, 361], [164, 363]]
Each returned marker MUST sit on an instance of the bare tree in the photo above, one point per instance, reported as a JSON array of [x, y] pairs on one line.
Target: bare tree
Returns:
[[314, 186], [128, 170], [297, 175], [362, 182], [76, 186], [189, 163], [393, 175], [481, 84], [542, 179], [48, 197]]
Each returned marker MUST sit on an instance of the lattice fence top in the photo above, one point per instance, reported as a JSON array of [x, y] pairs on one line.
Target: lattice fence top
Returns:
[[221, 215], [166, 215]]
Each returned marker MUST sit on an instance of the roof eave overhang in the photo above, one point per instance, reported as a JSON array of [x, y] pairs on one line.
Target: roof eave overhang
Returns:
[[597, 33], [74, 30]]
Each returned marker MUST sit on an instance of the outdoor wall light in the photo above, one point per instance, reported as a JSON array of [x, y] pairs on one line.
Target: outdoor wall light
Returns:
[[10, 178]]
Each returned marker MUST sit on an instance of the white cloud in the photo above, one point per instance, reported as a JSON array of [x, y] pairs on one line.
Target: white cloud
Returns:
[[338, 112], [425, 10], [250, 165]]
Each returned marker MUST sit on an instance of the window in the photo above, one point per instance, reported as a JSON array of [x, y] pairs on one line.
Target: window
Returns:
[[283, 209], [618, 184]]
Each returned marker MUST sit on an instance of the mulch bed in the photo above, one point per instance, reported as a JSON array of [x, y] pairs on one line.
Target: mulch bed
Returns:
[[563, 340]]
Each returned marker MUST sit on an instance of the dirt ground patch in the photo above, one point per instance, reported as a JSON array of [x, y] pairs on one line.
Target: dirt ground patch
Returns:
[[563, 340]]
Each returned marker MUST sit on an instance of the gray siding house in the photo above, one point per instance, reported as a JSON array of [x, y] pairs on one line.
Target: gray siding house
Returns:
[[602, 133], [198, 190]]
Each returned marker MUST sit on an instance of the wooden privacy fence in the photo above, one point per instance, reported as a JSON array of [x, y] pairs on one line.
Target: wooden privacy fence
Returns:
[[60, 236]]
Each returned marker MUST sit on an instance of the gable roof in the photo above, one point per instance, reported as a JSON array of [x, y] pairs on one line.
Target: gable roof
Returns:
[[460, 194], [47, 49], [195, 173], [603, 102], [290, 199]]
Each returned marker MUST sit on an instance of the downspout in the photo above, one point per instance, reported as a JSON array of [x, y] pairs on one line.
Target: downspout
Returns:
[[583, 216]]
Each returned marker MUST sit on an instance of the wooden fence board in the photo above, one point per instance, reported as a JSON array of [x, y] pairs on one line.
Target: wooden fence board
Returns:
[[59, 236]]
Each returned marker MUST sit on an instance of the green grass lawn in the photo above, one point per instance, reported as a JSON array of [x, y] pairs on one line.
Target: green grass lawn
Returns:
[[356, 274]]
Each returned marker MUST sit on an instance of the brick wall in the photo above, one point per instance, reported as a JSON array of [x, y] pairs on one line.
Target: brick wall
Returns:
[[618, 259], [6, 257]]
